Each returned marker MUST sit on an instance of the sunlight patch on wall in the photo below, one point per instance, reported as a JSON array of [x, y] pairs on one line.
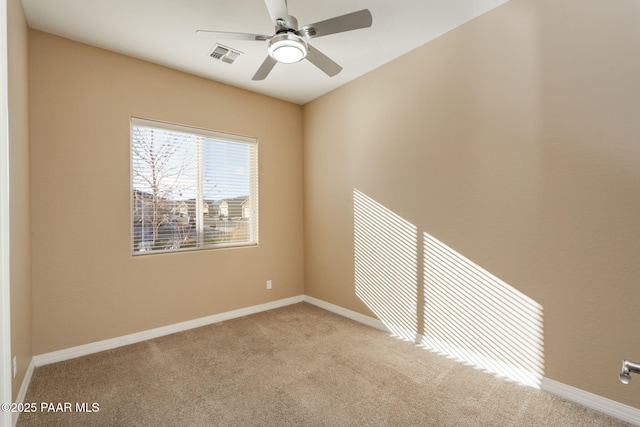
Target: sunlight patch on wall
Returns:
[[386, 265], [479, 319], [449, 305]]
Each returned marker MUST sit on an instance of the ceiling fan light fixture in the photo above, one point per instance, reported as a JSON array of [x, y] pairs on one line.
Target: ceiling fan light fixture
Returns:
[[288, 48]]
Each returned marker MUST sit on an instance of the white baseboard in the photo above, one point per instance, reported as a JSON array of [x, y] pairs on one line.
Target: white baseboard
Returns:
[[23, 389], [572, 394], [592, 401], [349, 314], [109, 344]]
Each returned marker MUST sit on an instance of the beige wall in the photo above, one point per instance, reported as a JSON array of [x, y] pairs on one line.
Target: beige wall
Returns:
[[86, 285], [514, 140], [20, 239]]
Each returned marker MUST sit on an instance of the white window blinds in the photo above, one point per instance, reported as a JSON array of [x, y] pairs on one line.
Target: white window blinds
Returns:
[[191, 188]]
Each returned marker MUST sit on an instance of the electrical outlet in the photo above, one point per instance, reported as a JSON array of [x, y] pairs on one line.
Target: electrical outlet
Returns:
[[15, 366], [268, 284]]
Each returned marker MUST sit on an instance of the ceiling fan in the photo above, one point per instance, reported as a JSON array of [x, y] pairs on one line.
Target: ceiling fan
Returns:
[[289, 44]]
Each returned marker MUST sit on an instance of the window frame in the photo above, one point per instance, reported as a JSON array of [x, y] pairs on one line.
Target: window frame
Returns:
[[253, 218]]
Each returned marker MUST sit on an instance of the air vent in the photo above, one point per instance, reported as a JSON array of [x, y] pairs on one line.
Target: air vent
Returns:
[[224, 53]]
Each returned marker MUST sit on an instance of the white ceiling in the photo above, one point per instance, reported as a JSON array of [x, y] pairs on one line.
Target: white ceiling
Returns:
[[163, 32]]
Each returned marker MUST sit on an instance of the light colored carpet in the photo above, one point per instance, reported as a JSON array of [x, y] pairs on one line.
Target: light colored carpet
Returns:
[[294, 366]]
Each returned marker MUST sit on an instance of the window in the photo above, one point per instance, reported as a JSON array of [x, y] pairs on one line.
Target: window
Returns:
[[191, 188]]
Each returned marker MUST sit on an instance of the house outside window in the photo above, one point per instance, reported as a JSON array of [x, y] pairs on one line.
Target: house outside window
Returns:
[[191, 188]]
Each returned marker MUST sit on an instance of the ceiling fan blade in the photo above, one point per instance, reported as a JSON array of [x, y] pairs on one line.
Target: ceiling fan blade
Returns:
[[339, 24], [323, 62], [231, 36], [264, 69], [278, 10]]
